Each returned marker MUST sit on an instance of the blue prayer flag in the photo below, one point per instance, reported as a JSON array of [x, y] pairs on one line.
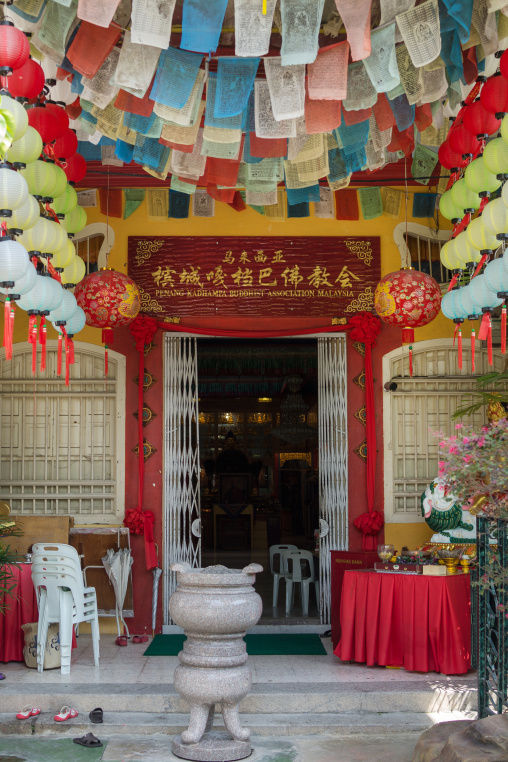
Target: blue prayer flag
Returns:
[[202, 24]]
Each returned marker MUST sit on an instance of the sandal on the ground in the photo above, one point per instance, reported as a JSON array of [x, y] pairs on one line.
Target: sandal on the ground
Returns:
[[90, 741], [96, 715], [2, 677], [28, 711], [140, 639], [66, 713], [121, 640]]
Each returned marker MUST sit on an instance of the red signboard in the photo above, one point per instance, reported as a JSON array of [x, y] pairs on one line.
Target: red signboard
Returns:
[[255, 277]]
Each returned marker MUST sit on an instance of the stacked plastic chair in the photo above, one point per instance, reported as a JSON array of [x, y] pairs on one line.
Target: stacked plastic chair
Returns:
[[63, 598]]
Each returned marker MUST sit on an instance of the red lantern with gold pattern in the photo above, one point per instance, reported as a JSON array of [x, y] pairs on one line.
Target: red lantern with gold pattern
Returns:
[[109, 299], [408, 299]]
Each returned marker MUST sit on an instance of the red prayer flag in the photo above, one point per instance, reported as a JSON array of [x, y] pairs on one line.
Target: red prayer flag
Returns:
[[91, 46], [238, 204], [128, 102], [265, 148], [355, 117], [382, 113], [346, 205], [110, 202]]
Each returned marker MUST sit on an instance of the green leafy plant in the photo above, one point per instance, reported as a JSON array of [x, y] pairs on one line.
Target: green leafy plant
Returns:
[[8, 529], [484, 395]]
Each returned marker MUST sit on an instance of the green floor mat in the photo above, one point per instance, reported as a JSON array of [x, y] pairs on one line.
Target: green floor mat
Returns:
[[282, 644], [48, 750]]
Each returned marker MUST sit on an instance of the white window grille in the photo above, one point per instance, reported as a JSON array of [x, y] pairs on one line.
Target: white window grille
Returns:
[[63, 448], [418, 407]]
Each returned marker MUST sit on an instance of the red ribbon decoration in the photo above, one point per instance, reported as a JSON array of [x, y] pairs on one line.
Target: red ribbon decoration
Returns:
[[143, 329], [485, 332], [473, 347], [7, 328], [364, 328], [59, 355], [480, 265], [453, 282], [107, 340], [32, 339], [459, 347]]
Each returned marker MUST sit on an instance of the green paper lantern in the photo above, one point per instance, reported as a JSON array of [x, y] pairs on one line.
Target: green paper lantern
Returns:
[[61, 182], [448, 255], [479, 179], [41, 177], [448, 208], [74, 272], [63, 256], [495, 156], [27, 149], [463, 197], [75, 221], [18, 113], [65, 203]]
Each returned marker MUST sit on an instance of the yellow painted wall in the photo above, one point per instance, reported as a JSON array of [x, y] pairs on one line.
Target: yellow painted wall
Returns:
[[229, 222]]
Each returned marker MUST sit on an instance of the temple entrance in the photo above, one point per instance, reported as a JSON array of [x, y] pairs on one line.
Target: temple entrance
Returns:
[[256, 458]]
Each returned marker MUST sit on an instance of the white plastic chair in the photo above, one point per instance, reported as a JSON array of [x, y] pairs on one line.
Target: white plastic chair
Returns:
[[278, 550], [293, 561], [63, 598]]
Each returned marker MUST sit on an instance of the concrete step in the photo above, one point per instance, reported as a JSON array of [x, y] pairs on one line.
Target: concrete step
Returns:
[[273, 724], [412, 697]]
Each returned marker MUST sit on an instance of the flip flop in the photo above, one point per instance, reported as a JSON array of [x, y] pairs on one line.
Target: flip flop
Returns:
[[121, 640], [2, 677], [65, 713], [90, 741], [140, 639], [28, 711], [96, 716]]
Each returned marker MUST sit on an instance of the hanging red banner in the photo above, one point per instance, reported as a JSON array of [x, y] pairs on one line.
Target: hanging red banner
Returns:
[[255, 277]]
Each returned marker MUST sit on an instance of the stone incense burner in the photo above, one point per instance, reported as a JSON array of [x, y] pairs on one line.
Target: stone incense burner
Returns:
[[215, 606]]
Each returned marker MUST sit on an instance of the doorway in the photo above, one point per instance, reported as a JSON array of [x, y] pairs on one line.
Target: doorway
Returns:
[[256, 456]]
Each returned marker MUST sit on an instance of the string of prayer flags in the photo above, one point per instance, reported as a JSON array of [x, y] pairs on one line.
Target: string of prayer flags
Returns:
[[91, 46], [98, 12], [392, 202], [371, 202], [327, 76], [424, 164], [324, 208], [134, 197], [253, 27], [202, 24], [110, 202], [356, 17], [179, 204], [286, 85], [346, 206], [420, 30], [157, 203], [301, 21], [203, 205], [424, 204], [381, 65], [151, 22], [176, 76], [235, 81]]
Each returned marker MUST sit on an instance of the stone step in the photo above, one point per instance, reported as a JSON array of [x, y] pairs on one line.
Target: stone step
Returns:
[[276, 724], [412, 697]]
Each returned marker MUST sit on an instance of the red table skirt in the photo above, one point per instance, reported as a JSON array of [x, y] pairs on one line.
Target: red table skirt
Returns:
[[22, 609], [411, 621]]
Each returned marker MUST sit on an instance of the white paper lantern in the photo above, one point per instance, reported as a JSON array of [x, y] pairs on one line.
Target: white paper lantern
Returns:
[[479, 237], [24, 217], [13, 189], [27, 149], [66, 309], [24, 284], [76, 323], [14, 260], [55, 294], [496, 277], [34, 301], [495, 217], [74, 272], [39, 238], [63, 256]]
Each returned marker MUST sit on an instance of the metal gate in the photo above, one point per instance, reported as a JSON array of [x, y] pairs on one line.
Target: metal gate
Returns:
[[333, 481], [181, 522]]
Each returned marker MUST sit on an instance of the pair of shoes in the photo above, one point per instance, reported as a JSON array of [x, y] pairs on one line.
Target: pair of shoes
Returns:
[[140, 638], [90, 741], [66, 713], [28, 711], [121, 640], [96, 715]]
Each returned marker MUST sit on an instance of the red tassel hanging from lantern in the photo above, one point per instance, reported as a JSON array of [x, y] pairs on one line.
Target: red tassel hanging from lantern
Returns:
[[485, 333], [59, 355], [8, 328], [107, 340], [32, 339], [42, 342], [67, 357], [503, 329], [459, 347], [473, 347]]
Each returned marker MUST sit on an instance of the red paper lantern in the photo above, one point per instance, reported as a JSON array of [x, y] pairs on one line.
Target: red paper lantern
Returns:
[[42, 120], [448, 158], [75, 168], [66, 146], [479, 121], [494, 94], [61, 117], [408, 299], [109, 299], [25, 82], [14, 48], [462, 141]]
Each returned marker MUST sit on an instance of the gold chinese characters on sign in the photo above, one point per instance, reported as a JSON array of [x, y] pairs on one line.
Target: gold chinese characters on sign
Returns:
[[322, 276]]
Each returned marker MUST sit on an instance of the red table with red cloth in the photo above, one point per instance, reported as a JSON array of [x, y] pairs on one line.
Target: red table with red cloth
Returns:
[[413, 621], [22, 609]]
